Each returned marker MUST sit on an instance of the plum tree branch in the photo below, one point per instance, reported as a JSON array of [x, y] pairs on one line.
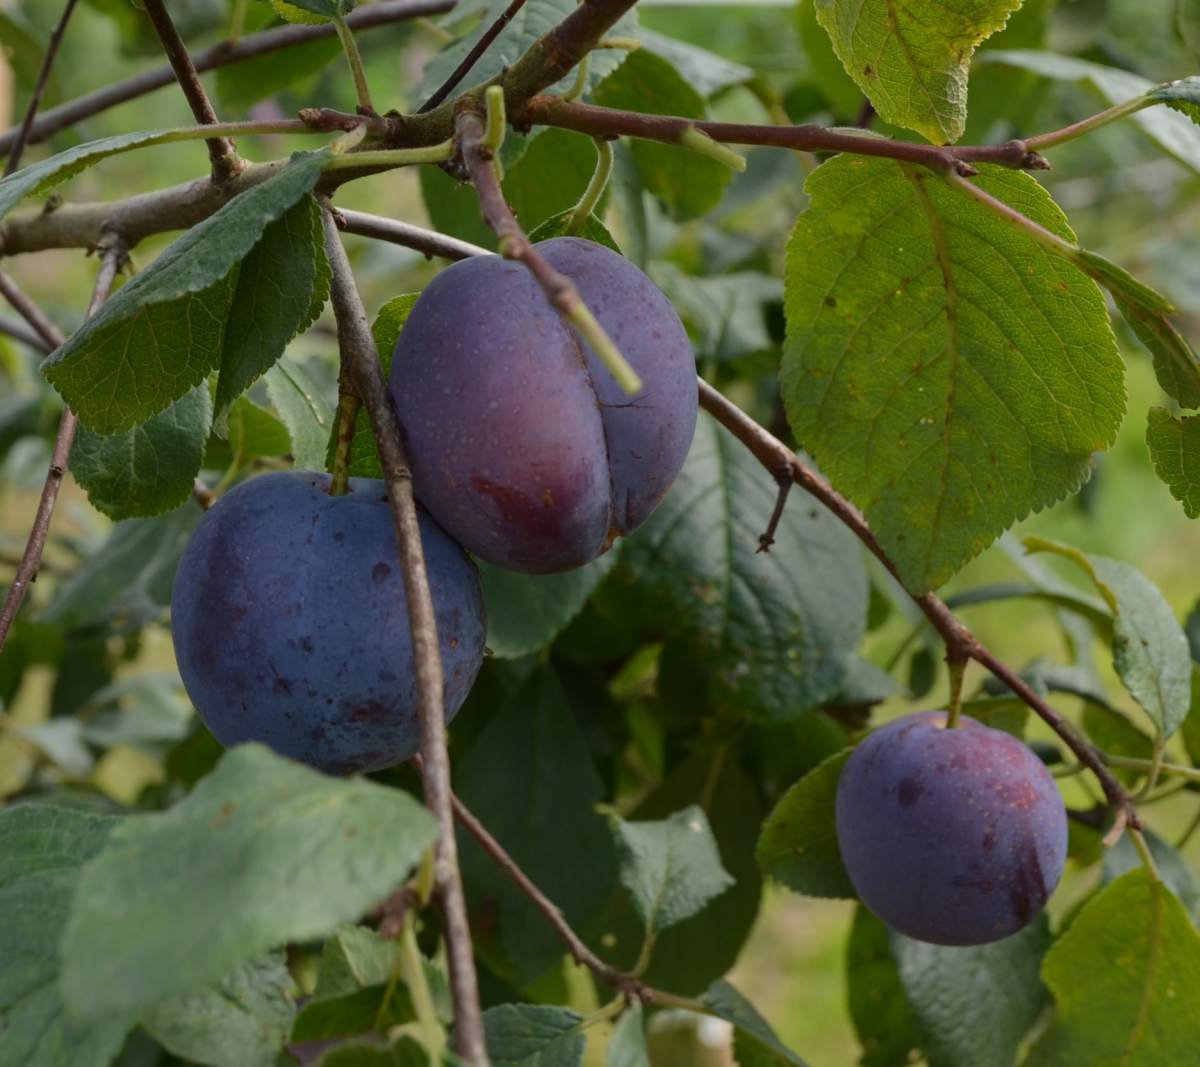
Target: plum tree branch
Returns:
[[221, 151], [472, 57], [961, 643], [39, 88], [226, 53], [35, 544], [782, 462], [361, 360], [549, 110]]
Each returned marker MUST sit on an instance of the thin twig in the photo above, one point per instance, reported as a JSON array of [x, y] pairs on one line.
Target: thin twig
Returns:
[[579, 951], [226, 53], [18, 331], [31, 558], [514, 244], [360, 356], [430, 242], [549, 110], [221, 151], [961, 643], [39, 88], [472, 57]]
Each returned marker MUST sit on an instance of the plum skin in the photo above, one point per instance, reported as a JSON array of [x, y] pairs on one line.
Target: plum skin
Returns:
[[522, 445], [952, 836], [290, 623]]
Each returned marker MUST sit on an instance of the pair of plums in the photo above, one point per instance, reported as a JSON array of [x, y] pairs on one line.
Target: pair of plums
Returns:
[[288, 611]]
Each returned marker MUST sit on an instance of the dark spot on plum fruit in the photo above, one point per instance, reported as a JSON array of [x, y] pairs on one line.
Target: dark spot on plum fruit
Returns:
[[978, 858]]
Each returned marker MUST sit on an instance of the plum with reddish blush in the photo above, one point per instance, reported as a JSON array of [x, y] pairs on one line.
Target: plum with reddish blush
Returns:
[[952, 836], [522, 445]]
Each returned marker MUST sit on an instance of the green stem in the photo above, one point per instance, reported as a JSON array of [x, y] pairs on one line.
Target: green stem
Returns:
[[701, 143], [1192, 774], [412, 966], [595, 188], [1067, 771], [237, 21], [390, 157], [1156, 765], [606, 350], [957, 669], [645, 955], [1093, 122], [1192, 827], [495, 120], [354, 57], [347, 416], [602, 1014], [581, 77], [1139, 842]]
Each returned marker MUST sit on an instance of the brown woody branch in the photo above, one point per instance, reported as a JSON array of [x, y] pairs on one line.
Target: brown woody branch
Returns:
[[361, 360], [961, 643], [547, 110], [31, 558], [227, 53], [221, 151], [39, 88], [781, 461]]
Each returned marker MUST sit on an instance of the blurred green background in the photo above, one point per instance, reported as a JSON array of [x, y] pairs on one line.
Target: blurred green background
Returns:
[[1124, 198]]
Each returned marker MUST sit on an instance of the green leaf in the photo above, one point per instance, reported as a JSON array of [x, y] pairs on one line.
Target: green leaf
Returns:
[[44, 175], [304, 411], [772, 626], [1119, 975], [798, 844], [242, 85], [1174, 133], [364, 457], [298, 852], [149, 469], [949, 374], [549, 177], [354, 958], [240, 1021], [557, 226], [1175, 362], [281, 281], [525, 612], [829, 77], [162, 334], [1187, 19], [453, 207], [705, 71], [627, 1046], [129, 578], [1150, 649], [671, 868], [753, 1034], [726, 314], [912, 61], [526, 26], [42, 850], [1175, 451], [688, 184], [691, 955], [252, 431], [975, 1005], [542, 811], [879, 1008], [1172, 866], [533, 1035], [403, 1052]]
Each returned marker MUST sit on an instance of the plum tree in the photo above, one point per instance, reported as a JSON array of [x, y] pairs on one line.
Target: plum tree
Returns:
[[954, 836], [290, 624], [521, 443]]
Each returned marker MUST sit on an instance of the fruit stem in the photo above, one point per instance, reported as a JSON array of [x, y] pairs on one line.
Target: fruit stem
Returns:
[[595, 188], [606, 351], [347, 416], [412, 966], [350, 46], [1147, 858], [390, 157], [581, 77], [957, 669]]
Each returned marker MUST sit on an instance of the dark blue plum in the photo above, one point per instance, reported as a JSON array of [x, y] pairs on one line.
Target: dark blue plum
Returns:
[[957, 837], [521, 443], [290, 622]]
